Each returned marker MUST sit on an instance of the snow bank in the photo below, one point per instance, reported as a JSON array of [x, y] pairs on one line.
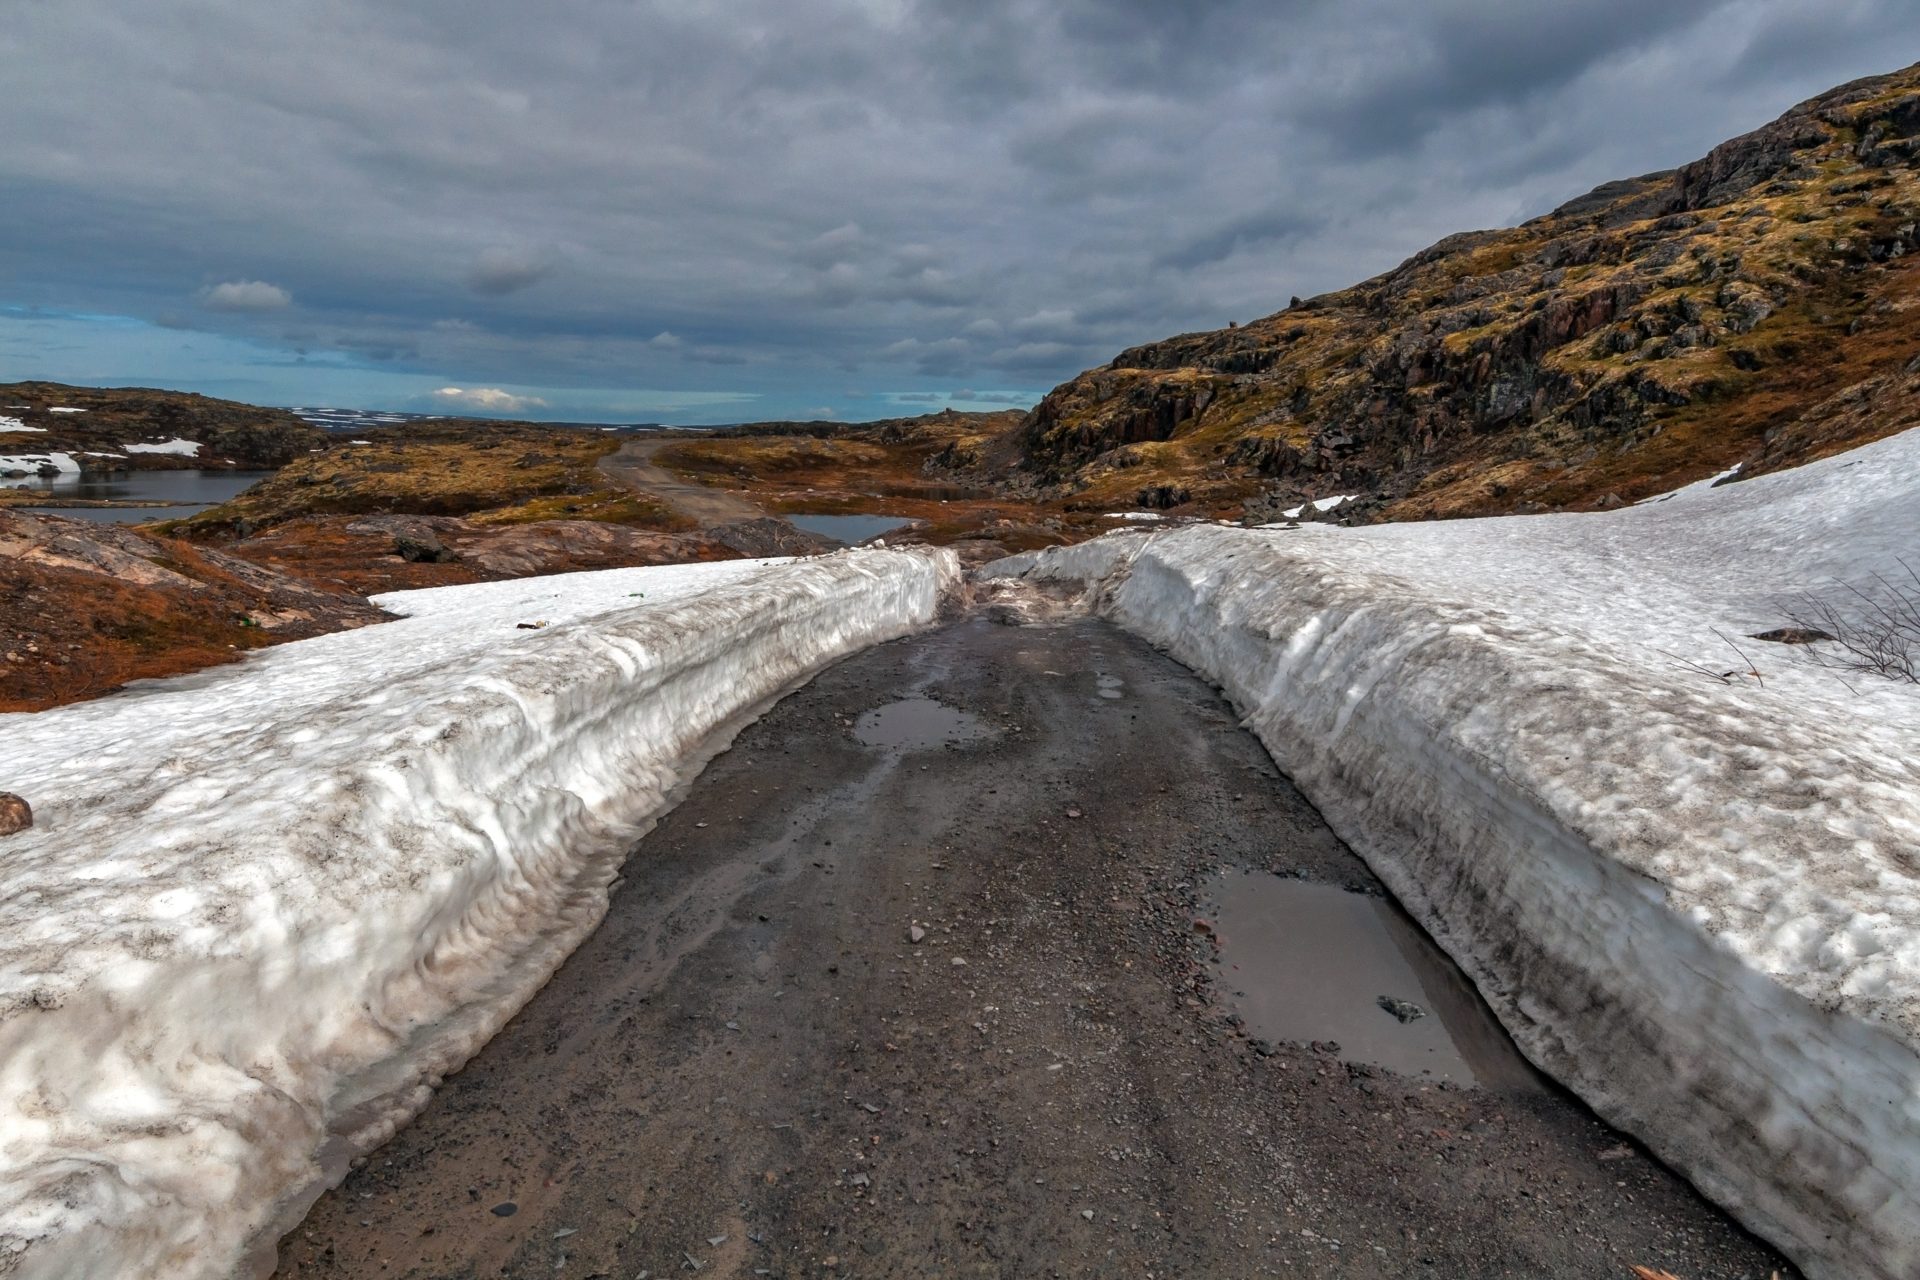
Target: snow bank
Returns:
[[184, 448], [1696, 903], [14, 426], [274, 902]]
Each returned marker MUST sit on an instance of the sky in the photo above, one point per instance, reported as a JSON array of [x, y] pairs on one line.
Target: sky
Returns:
[[692, 211]]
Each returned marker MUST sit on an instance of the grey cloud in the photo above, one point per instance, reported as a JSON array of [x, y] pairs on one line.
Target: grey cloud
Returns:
[[757, 197], [1015, 398], [499, 270]]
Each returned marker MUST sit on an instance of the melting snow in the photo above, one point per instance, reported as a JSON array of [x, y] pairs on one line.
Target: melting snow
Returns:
[[1695, 902], [185, 448], [63, 409], [15, 426], [281, 897]]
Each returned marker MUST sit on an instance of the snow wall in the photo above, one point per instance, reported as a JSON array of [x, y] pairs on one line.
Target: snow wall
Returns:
[[264, 909], [1697, 904]]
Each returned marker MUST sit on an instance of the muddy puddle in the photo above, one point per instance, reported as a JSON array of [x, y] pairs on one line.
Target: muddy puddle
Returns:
[[918, 724], [1353, 974]]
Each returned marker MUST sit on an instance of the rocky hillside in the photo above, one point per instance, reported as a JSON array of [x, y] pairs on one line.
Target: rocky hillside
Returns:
[[1760, 306], [86, 607], [96, 425]]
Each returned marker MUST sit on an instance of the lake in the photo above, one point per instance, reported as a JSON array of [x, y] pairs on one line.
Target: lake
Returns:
[[188, 491]]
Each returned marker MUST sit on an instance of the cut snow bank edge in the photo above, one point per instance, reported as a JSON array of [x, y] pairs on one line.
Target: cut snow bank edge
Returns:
[[1696, 905], [247, 932]]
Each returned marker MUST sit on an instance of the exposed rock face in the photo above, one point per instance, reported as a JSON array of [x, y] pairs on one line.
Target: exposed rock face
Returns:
[[769, 537], [1648, 333], [15, 814], [86, 607]]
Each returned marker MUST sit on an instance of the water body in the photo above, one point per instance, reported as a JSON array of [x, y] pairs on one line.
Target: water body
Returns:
[[917, 724], [849, 529], [1315, 964], [187, 492]]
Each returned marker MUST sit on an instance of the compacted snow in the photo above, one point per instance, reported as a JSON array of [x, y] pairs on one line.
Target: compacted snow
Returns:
[[1695, 902], [265, 907]]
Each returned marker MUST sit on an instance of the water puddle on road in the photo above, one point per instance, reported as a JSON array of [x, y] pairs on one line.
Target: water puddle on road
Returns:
[[917, 724], [1311, 963], [1110, 686]]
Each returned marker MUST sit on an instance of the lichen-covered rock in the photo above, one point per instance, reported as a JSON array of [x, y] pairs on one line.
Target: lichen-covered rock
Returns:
[[1648, 334]]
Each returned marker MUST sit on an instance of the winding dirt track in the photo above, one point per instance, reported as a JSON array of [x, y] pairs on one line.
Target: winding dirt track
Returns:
[[751, 1070], [633, 466]]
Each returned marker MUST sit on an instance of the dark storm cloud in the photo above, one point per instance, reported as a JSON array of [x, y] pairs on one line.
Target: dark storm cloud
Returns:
[[761, 195]]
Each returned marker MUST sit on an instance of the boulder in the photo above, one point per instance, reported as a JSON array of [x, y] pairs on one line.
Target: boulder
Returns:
[[16, 814]]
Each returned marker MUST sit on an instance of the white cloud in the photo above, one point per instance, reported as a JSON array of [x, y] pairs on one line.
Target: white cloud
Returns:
[[246, 295], [665, 341], [488, 399]]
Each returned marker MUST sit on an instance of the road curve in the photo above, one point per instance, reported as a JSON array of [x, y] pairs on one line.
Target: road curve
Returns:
[[632, 465]]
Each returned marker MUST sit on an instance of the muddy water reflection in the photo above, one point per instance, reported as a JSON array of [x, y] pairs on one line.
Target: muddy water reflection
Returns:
[[917, 724], [1308, 962]]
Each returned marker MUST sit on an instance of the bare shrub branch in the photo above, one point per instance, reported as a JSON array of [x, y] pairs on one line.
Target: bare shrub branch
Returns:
[[1875, 626]]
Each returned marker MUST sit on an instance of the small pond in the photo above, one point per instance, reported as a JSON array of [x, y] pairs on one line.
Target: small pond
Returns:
[[849, 529]]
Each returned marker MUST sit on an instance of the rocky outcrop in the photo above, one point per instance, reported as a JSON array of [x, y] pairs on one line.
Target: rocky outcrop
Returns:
[[86, 607], [230, 434], [1655, 330]]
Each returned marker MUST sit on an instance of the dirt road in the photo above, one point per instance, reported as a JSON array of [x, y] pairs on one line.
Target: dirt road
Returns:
[[754, 1069], [633, 466]]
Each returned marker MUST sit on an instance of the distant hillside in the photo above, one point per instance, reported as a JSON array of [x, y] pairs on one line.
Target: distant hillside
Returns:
[[1760, 306], [111, 418]]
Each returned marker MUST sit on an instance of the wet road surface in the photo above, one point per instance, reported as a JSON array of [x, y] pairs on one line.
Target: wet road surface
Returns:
[[963, 962]]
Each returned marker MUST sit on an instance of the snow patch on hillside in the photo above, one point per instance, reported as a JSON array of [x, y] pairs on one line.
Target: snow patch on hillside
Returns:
[[34, 463], [275, 902], [183, 448], [14, 426], [1697, 903]]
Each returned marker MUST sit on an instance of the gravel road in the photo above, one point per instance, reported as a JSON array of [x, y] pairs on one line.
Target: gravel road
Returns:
[[753, 1068]]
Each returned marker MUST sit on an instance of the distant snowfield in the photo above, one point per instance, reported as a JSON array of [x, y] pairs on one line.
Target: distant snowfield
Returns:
[[1696, 903], [280, 899], [185, 448]]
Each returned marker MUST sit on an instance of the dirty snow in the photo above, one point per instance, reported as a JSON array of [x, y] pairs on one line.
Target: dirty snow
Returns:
[[14, 426], [1697, 903], [185, 448], [274, 902]]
